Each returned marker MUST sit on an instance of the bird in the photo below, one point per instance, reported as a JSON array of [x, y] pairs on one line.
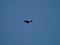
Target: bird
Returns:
[[27, 21]]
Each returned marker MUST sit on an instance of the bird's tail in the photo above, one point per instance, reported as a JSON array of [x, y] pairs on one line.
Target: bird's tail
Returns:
[[31, 21]]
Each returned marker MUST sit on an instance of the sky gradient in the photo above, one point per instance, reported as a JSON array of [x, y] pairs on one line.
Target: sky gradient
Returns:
[[44, 30]]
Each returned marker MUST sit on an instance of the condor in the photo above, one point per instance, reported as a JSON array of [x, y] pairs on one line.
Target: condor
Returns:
[[27, 21]]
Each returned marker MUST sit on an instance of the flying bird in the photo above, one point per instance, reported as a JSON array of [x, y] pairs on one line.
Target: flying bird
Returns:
[[27, 21]]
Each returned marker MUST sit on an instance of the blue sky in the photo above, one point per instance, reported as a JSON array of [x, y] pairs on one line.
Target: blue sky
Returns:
[[44, 30]]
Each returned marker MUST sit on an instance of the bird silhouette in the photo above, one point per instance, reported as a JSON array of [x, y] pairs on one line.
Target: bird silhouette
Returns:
[[27, 21]]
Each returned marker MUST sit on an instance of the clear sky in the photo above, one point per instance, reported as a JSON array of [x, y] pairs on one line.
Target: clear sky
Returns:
[[44, 30]]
